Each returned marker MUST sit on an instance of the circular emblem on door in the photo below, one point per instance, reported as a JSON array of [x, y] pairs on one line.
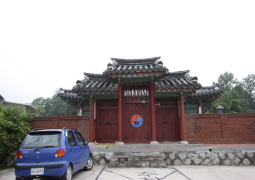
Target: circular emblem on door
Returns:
[[136, 120]]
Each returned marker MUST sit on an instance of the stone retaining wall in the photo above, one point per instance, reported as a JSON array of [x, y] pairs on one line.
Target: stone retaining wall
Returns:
[[205, 158]]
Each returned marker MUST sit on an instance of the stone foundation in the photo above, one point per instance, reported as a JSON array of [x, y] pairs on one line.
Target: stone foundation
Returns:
[[162, 159]]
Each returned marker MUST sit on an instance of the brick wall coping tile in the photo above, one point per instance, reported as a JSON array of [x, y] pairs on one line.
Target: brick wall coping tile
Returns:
[[221, 115], [60, 117]]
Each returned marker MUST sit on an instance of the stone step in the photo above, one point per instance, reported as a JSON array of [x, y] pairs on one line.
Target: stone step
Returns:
[[142, 147], [146, 164], [160, 164], [135, 158], [146, 154], [150, 159]]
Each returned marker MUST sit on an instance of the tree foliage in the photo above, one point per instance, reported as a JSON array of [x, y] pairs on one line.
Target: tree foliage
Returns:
[[238, 96], [54, 106], [226, 81], [14, 126], [249, 84]]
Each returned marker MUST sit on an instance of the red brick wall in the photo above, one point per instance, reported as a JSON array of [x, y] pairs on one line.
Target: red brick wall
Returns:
[[220, 128], [81, 123], [200, 128]]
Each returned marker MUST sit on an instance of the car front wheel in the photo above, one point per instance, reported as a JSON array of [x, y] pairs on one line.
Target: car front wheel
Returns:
[[68, 174], [89, 165]]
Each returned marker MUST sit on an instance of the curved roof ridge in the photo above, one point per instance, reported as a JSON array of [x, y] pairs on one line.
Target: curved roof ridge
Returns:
[[135, 66], [136, 59], [66, 90], [143, 61], [175, 72], [94, 77], [93, 74], [209, 87]]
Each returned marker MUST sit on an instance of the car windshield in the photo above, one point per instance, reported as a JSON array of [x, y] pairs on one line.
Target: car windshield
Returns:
[[42, 140]]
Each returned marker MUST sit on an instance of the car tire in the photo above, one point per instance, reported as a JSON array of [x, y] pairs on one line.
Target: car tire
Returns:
[[68, 174], [90, 164]]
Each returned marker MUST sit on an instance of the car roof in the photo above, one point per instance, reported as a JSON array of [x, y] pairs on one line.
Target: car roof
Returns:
[[43, 130]]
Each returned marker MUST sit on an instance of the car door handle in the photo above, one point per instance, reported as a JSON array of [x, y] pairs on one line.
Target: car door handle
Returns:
[[71, 149]]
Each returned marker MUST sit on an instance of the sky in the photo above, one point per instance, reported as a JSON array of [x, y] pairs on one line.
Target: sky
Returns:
[[46, 45]]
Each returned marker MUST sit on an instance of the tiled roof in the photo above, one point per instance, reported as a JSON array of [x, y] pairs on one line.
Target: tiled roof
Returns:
[[177, 80], [208, 91], [94, 82], [122, 66], [101, 84], [68, 94]]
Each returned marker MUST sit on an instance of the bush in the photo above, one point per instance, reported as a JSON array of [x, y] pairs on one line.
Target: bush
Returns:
[[14, 126]]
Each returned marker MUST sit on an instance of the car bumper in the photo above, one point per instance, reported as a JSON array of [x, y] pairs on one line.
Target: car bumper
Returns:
[[53, 169]]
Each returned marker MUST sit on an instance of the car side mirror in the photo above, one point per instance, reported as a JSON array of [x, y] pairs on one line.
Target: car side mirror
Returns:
[[86, 142]]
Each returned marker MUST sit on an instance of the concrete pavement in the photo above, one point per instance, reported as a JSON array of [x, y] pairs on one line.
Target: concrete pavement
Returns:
[[101, 172]]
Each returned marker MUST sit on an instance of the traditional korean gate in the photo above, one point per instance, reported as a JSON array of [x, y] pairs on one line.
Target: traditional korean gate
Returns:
[[167, 123], [106, 123], [137, 125]]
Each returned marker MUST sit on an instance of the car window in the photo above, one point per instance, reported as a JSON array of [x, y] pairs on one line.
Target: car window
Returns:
[[80, 138], [70, 138], [42, 139]]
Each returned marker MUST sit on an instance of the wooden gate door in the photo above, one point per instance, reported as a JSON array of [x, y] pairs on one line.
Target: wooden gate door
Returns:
[[167, 124], [107, 126], [137, 125]]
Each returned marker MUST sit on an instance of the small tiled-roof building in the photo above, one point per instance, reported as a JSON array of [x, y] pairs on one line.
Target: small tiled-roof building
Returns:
[[138, 100]]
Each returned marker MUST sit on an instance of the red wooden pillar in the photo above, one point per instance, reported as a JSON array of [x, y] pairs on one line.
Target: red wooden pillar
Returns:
[[182, 121], [120, 114], [91, 122], [153, 115]]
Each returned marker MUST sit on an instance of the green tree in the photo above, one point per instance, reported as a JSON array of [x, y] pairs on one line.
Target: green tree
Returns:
[[226, 81], [235, 106], [57, 107], [39, 101], [245, 102], [249, 84], [14, 126], [236, 100], [54, 106], [41, 110], [223, 100]]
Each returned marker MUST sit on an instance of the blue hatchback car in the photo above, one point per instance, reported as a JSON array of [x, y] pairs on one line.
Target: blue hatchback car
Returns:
[[56, 153]]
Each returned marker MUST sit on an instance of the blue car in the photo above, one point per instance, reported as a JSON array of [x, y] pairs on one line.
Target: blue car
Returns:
[[56, 153]]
